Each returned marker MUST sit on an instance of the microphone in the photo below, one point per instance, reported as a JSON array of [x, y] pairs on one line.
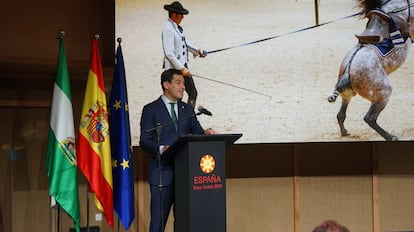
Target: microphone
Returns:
[[203, 110]]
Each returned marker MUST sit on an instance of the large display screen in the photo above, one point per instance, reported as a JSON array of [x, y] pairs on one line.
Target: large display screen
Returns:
[[271, 91]]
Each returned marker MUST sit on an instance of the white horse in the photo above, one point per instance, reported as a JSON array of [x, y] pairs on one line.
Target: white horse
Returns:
[[383, 47]]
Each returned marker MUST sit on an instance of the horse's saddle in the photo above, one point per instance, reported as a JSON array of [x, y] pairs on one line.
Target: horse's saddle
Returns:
[[382, 27], [382, 32]]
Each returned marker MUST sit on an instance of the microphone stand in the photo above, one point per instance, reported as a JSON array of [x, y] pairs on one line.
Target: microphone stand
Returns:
[[157, 129]]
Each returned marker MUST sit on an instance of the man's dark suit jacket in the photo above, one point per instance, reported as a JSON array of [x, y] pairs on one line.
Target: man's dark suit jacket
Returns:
[[156, 113]]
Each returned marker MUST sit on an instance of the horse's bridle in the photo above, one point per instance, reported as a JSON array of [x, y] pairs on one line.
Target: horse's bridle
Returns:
[[409, 14], [398, 10], [388, 14], [408, 7]]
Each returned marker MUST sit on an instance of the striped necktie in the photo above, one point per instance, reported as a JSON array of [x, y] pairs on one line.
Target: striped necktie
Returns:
[[173, 115]]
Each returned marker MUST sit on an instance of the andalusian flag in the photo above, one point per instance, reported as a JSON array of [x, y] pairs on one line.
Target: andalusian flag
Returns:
[[60, 156], [121, 145], [93, 148]]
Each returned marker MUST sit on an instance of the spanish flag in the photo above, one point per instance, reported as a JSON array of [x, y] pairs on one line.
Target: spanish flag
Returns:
[[93, 147]]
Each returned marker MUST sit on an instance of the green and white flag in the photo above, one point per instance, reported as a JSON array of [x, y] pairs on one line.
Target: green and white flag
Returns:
[[61, 156]]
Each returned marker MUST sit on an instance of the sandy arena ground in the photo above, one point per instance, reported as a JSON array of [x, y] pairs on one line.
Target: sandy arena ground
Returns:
[[294, 73]]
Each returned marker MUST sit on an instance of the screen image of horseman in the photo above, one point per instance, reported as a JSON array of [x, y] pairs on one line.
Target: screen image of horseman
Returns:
[[382, 48]]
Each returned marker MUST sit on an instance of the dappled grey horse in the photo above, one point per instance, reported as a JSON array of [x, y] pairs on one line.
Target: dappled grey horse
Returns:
[[383, 47]]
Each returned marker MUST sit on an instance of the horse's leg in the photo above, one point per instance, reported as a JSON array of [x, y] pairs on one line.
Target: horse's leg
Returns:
[[342, 115], [343, 88], [371, 119]]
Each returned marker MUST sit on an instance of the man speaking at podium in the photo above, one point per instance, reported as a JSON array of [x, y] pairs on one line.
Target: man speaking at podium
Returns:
[[163, 121]]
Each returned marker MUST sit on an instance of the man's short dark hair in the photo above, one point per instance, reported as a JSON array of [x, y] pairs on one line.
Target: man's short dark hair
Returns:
[[167, 75], [330, 225]]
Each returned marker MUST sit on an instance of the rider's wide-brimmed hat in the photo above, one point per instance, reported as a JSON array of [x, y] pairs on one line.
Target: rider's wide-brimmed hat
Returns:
[[176, 7]]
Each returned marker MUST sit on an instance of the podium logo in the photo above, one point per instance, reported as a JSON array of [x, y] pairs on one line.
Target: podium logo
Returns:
[[207, 164], [208, 181]]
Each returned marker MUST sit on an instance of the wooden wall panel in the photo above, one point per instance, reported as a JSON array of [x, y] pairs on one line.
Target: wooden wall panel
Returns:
[[30, 211], [396, 202], [396, 186], [260, 204], [345, 199]]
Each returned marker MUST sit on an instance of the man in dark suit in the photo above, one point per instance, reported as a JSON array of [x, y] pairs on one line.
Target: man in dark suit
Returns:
[[162, 112]]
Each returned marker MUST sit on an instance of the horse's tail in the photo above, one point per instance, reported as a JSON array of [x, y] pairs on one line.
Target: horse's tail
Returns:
[[343, 83], [332, 98]]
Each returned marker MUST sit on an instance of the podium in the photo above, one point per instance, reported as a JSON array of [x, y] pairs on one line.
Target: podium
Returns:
[[200, 181]]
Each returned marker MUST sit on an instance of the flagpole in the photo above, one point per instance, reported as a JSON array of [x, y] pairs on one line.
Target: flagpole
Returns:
[[87, 208], [119, 40], [61, 34], [53, 220], [58, 217], [87, 196]]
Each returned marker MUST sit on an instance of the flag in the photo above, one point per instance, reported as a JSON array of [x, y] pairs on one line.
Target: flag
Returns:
[[60, 154], [93, 147], [122, 166]]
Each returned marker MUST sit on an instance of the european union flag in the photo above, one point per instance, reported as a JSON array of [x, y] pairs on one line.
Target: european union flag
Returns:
[[122, 166]]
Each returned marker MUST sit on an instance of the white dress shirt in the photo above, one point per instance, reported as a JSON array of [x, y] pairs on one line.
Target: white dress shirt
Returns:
[[168, 106]]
